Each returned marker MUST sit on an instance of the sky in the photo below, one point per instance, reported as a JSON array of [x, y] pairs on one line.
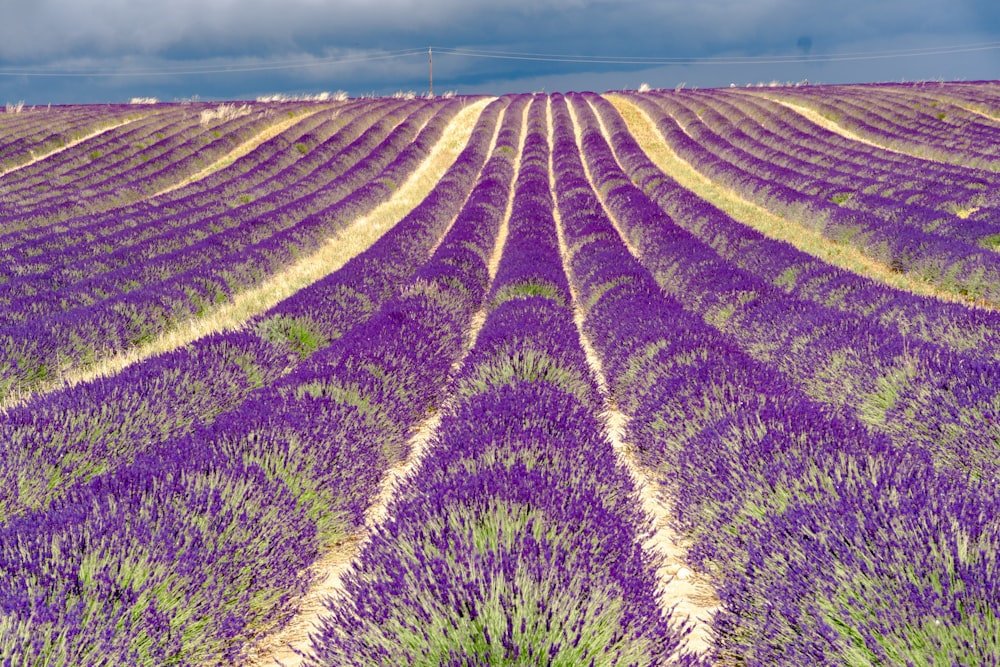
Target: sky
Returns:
[[86, 51]]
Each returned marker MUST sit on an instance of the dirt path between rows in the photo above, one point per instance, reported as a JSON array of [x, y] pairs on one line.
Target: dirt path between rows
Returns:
[[289, 646], [684, 592]]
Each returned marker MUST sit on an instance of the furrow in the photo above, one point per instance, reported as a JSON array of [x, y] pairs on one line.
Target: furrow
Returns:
[[684, 592], [289, 647]]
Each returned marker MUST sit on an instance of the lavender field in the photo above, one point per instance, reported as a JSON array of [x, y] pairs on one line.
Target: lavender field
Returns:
[[693, 377]]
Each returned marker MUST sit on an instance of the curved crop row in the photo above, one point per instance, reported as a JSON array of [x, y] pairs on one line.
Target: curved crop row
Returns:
[[769, 483], [126, 168], [975, 332], [87, 430], [908, 190], [917, 392], [28, 137], [190, 280], [871, 112], [201, 543], [475, 408], [952, 265], [518, 539], [72, 276]]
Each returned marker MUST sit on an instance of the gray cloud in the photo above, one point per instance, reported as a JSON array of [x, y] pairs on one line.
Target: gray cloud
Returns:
[[110, 36]]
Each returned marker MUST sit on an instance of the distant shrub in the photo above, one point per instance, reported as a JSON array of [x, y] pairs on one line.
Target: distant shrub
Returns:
[[143, 100], [14, 108], [224, 112], [338, 96]]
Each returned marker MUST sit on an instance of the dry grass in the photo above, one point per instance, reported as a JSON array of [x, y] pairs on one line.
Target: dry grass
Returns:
[[224, 112], [325, 96], [841, 255], [329, 257]]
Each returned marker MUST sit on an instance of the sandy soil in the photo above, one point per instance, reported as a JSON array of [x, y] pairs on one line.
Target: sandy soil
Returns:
[[688, 593], [288, 646]]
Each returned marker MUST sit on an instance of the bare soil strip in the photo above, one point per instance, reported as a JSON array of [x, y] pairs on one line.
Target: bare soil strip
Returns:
[[43, 156], [978, 112], [841, 255], [243, 149], [819, 119], [689, 594], [826, 123], [329, 257], [287, 646]]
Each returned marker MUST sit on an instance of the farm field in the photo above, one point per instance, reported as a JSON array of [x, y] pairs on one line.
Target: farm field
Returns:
[[689, 377]]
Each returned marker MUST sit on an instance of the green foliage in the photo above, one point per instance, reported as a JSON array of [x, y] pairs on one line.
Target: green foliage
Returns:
[[550, 623], [789, 277], [991, 242], [298, 333], [510, 365], [526, 290]]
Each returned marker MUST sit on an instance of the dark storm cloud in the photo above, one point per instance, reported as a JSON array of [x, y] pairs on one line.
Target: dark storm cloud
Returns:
[[111, 38]]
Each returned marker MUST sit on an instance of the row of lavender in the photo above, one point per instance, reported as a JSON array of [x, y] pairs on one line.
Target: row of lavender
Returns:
[[298, 163], [954, 202], [31, 240], [972, 331], [931, 120], [833, 537], [198, 539], [127, 163], [24, 137], [829, 544], [899, 238], [938, 394], [88, 246], [181, 273], [825, 164], [518, 539], [269, 158]]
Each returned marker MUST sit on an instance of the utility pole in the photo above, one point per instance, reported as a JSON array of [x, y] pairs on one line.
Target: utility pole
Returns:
[[430, 61]]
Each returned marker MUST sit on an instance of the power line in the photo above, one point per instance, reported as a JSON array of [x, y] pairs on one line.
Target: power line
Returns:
[[718, 60], [465, 52], [210, 69]]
